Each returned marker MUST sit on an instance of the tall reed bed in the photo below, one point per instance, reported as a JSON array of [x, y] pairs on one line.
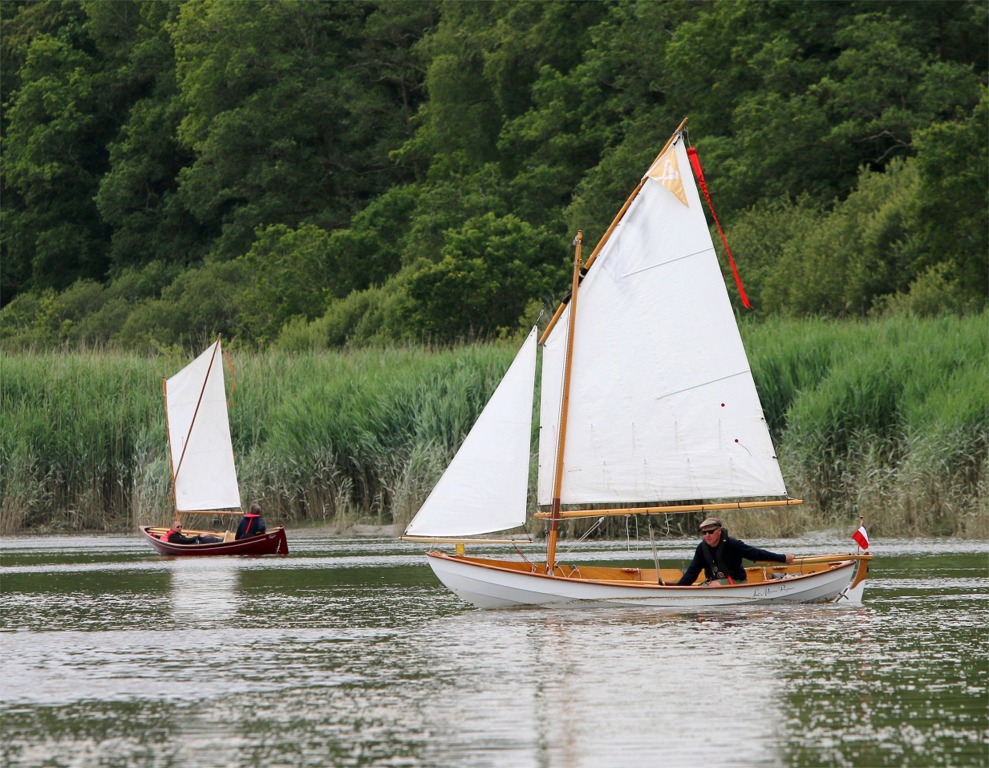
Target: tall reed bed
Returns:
[[324, 437], [884, 419], [78, 449], [361, 435]]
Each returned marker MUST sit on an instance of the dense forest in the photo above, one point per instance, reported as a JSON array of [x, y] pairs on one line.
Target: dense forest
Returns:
[[314, 175]]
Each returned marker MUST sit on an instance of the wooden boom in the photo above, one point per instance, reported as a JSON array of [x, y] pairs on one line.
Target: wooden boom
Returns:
[[463, 540], [574, 513], [830, 558], [236, 512]]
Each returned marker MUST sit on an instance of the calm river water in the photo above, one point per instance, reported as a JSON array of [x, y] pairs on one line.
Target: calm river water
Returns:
[[349, 653]]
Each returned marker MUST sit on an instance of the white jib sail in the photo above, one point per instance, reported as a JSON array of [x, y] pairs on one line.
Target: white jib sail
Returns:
[[484, 488], [662, 402], [199, 435]]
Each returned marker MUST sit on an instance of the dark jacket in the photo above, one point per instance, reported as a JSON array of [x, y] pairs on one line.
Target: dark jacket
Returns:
[[251, 525], [174, 537], [725, 560]]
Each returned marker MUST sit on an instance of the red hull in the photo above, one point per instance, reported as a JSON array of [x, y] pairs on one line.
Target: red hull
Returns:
[[271, 543]]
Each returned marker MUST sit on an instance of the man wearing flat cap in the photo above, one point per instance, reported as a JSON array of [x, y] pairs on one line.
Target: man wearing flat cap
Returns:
[[720, 556]]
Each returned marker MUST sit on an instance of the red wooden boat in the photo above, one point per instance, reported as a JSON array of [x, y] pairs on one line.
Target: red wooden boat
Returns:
[[200, 451], [272, 542]]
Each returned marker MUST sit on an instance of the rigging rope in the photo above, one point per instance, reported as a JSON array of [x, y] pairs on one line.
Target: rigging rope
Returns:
[[521, 554], [587, 533]]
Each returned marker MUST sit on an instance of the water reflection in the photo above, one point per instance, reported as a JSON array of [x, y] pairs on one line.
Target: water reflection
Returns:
[[595, 688], [204, 590]]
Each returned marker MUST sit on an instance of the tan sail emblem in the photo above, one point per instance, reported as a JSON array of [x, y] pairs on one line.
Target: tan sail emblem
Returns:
[[666, 170]]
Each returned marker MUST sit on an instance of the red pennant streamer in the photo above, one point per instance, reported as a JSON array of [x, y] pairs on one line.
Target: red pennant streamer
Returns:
[[696, 164]]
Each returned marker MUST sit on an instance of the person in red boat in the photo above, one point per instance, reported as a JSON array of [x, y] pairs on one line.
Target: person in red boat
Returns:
[[252, 524], [174, 535]]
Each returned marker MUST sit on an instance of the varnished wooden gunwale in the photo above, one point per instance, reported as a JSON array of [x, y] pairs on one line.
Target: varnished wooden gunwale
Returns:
[[647, 577]]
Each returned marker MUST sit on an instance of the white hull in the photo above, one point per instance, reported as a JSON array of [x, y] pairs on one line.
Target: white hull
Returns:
[[487, 586]]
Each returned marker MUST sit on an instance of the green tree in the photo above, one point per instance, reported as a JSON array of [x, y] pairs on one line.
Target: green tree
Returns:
[[191, 310], [288, 278], [137, 195], [284, 129], [861, 250], [370, 251], [55, 130], [487, 273], [392, 138], [807, 93], [953, 216], [503, 127]]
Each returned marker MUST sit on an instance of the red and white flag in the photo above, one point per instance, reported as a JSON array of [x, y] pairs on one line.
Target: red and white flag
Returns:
[[861, 537]]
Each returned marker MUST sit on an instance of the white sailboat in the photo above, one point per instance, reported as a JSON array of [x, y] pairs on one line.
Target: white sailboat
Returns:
[[646, 398], [204, 475]]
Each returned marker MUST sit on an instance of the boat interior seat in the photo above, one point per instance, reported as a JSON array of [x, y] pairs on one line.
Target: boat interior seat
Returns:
[[757, 575], [229, 535]]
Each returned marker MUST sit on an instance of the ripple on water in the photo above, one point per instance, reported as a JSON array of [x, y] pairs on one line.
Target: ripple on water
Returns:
[[353, 655]]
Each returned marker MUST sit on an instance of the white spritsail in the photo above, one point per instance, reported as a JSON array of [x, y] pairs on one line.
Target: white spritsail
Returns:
[[662, 403], [205, 477], [484, 489]]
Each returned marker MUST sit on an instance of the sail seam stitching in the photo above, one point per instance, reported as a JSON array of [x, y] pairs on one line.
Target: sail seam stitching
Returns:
[[670, 261], [705, 383]]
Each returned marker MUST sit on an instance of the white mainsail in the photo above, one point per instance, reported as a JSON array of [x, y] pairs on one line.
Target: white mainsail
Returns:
[[199, 435], [485, 487], [662, 403]]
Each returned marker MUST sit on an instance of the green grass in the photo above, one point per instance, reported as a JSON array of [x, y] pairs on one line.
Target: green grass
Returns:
[[882, 419], [886, 419]]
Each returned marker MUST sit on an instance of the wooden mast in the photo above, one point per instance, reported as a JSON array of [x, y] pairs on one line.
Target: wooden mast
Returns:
[[554, 520]]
